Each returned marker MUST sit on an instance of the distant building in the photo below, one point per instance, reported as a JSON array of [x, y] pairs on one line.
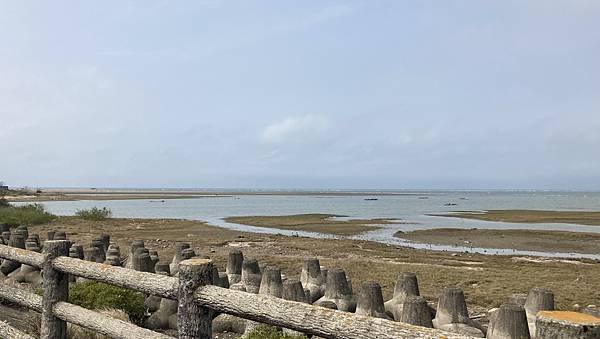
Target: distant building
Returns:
[[3, 188]]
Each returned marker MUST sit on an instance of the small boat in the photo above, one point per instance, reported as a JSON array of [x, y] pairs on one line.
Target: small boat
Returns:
[[371, 199], [450, 204]]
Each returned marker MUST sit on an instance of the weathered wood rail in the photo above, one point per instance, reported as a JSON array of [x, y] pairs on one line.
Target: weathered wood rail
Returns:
[[198, 300]]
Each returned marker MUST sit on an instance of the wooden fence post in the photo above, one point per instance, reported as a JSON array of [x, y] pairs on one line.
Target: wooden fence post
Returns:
[[193, 320], [56, 288]]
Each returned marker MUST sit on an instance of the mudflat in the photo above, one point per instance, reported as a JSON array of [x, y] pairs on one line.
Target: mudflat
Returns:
[[323, 223], [487, 280], [527, 240], [531, 216]]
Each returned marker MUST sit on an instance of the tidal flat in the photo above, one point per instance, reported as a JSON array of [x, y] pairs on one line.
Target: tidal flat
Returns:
[[321, 223], [590, 218], [525, 240], [487, 280]]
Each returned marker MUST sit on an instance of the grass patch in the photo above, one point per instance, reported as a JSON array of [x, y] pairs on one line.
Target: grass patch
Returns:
[[94, 214], [95, 296], [33, 214], [268, 332]]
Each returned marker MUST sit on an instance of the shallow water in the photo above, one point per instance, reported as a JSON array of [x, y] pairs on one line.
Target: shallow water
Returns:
[[412, 208]]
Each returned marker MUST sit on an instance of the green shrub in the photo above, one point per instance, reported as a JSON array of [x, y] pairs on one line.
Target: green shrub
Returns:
[[94, 213], [269, 332], [95, 296], [32, 214]]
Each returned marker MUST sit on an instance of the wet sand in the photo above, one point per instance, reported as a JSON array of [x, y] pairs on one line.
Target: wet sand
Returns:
[[322, 223], [526, 240], [531, 216]]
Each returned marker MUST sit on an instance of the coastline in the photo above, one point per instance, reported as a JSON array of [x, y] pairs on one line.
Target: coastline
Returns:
[[53, 194]]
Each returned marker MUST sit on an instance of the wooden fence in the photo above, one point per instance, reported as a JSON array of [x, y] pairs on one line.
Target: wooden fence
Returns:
[[198, 302]]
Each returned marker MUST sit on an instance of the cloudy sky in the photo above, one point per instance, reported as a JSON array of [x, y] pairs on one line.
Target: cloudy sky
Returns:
[[306, 94]]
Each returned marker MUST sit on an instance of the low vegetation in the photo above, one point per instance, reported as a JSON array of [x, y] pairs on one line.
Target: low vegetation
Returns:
[[322, 223], [32, 214], [94, 213], [97, 296], [268, 332]]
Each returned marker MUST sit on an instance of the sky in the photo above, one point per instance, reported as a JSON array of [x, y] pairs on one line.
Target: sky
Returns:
[[301, 94]]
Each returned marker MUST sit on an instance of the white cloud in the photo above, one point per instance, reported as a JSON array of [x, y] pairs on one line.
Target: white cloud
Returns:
[[295, 129]]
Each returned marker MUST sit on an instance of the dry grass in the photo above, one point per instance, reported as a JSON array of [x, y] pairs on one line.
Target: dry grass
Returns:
[[532, 216], [322, 223]]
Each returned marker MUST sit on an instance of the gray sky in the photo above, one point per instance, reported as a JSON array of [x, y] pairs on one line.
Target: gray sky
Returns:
[[306, 94]]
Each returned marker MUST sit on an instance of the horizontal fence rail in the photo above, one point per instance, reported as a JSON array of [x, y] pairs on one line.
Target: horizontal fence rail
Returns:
[[266, 309], [77, 315]]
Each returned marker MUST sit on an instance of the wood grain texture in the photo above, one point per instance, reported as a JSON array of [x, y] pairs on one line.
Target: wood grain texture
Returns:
[[23, 256], [193, 320], [149, 283], [301, 317], [310, 319], [79, 316], [56, 289]]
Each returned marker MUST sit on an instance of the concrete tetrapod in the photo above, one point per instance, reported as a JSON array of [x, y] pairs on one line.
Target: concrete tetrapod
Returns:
[[101, 251], [251, 276], [338, 291], [6, 237], [113, 256], [160, 318], [178, 257], [26, 273], [154, 258], [93, 254], [234, 266], [76, 252], [229, 323], [60, 235], [538, 299], [414, 310], [152, 302], [270, 284], [8, 266], [370, 301], [142, 261], [406, 285], [134, 246], [293, 291], [508, 322], [518, 299], [312, 279], [452, 314]]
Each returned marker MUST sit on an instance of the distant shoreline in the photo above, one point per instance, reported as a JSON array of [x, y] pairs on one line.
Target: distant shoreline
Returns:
[[134, 194]]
